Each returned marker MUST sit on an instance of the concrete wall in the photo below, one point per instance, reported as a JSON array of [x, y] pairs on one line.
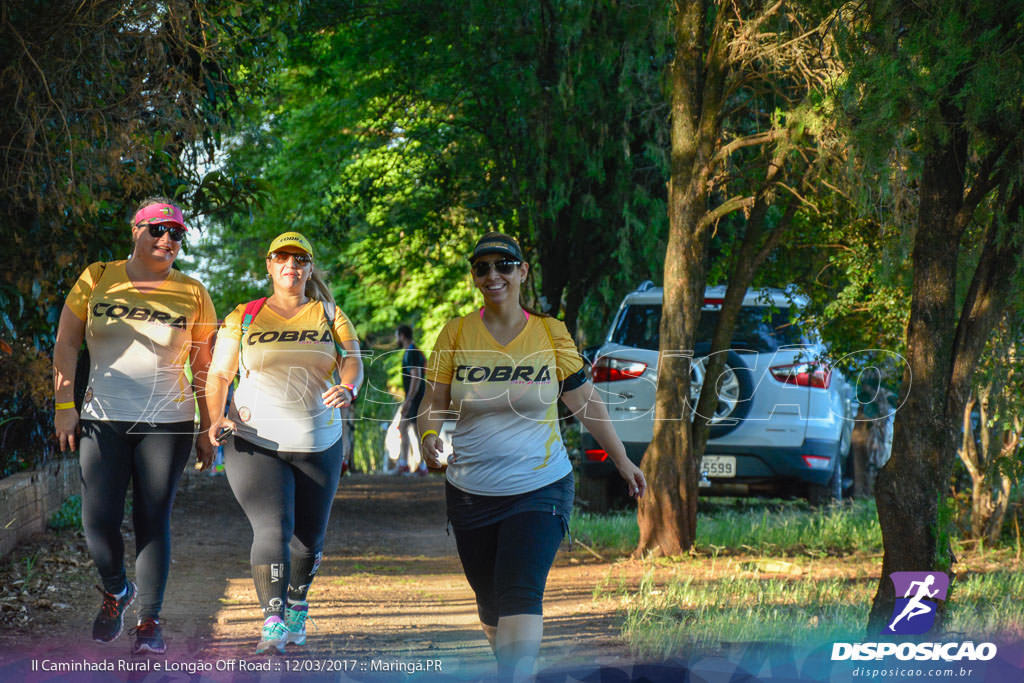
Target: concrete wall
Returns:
[[28, 499]]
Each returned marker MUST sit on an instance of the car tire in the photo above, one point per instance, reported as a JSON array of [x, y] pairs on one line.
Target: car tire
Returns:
[[824, 494], [741, 392]]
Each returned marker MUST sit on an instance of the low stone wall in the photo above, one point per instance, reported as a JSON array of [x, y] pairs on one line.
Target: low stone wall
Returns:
[[28, 499]]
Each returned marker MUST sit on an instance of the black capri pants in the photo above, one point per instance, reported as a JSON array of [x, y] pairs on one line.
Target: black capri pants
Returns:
[[507, 560]]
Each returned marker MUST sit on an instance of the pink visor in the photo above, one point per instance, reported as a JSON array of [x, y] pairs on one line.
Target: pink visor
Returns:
[[159, 213]]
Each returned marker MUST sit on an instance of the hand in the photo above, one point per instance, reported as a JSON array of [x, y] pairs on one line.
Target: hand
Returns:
[[337, 397], [68, 428], [204, 454], [431, 450], [635, 481], [211, 433]]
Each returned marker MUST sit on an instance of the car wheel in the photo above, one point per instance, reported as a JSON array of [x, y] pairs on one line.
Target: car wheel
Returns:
[[593, 494], [824, 494], [734, 389]]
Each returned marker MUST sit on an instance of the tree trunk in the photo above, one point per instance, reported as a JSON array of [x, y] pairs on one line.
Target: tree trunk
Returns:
[[667, 515], [924, 439]]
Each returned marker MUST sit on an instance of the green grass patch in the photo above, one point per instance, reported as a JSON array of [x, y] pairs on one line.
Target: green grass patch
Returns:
[[757, 528], [688, 614]]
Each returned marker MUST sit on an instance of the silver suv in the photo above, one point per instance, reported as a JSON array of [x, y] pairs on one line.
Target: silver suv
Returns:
[[782, 423]]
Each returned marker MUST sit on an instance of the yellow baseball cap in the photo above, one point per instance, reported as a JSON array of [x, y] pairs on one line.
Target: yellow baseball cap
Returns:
[[290, 239]]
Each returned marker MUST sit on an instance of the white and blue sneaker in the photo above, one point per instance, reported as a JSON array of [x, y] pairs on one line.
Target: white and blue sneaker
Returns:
[[295, 614], [273, 636]]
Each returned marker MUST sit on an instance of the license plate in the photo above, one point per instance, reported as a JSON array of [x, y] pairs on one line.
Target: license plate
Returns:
[[718, 465]]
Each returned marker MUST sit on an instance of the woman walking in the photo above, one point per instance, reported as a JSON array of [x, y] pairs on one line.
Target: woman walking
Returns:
[[285, 458], [142, 322], [509, 483]]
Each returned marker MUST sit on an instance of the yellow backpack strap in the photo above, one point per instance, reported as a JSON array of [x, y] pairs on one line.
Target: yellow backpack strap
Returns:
[[329, 311]]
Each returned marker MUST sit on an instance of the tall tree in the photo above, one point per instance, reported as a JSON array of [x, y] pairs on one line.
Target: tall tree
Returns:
[[938, 90], [743, 84]]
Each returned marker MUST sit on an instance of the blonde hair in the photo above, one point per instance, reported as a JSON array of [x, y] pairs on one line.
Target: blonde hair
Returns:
[[317, 289]]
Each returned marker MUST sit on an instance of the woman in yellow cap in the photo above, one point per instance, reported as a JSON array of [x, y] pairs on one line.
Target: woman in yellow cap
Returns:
[[142, 321], [298, 361]]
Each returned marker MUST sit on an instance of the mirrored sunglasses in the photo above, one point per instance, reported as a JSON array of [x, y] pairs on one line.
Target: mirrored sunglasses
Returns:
[[157, 230], [504, 267], [283, 256]]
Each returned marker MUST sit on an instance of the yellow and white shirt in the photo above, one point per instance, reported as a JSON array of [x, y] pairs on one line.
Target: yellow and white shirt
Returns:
[[139, 343], [506, 436], [285, 365]]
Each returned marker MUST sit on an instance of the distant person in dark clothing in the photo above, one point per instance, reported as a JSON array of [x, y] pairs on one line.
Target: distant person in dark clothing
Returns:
[[413, 363]]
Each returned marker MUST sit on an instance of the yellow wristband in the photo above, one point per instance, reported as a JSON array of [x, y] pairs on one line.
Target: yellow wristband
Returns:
[[67, 405], [427, 433]]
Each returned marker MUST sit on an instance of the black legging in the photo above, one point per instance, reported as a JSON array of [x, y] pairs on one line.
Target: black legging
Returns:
[[287, 497], [153, 457]]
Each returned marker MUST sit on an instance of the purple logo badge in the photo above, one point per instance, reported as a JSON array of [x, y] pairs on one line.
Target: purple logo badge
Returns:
[[916, 592]]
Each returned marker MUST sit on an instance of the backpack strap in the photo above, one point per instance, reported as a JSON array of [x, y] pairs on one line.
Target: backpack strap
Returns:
[[252, 309], [329, 311]]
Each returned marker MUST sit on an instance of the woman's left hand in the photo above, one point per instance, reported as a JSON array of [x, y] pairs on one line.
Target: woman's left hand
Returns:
[[635, 481], [337, 396]]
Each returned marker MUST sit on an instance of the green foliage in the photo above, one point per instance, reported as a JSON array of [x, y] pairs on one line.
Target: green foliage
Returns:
[[101, 105], [397, 134], [69, 516]]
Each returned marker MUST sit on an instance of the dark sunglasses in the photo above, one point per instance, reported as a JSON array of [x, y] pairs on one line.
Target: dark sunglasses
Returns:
[[157, 230], [283, 256], [504, 267]]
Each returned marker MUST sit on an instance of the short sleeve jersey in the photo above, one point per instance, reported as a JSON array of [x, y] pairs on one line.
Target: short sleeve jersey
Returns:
[[139, 342], [285, 365], [506, 435]]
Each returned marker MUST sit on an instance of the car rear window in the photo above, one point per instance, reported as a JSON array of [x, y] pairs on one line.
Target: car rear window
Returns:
[[758, 328]]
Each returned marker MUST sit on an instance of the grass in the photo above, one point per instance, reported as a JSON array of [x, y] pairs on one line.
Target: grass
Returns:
[[774, 572], [757, 528], [687, 613]]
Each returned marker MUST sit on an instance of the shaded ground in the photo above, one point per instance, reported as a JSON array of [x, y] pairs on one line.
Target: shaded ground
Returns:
[[390, 592]]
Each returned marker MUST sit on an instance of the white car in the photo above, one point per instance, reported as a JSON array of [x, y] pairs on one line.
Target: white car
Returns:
[[783, 420]]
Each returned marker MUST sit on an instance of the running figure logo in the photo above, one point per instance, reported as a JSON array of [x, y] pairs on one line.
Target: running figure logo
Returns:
[[914, 613]]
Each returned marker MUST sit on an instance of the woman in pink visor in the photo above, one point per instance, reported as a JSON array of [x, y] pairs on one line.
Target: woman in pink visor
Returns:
[[142, 322]]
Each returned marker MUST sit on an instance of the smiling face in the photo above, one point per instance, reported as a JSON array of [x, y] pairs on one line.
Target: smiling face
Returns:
[[156, 252], [498, 287], [289, 269]]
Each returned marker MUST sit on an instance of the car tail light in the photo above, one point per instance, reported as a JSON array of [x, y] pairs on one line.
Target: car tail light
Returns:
[[815, 375], [608, 369], [597, 455], [817, 462]]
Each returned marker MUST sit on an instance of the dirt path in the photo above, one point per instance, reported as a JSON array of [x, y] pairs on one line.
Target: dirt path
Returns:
[[390, 591]]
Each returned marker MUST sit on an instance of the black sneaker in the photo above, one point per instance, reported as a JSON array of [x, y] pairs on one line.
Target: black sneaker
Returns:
[[110, 621], [149, 637]]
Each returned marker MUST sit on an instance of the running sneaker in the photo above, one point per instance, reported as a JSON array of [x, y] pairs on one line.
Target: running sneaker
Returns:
[[295, 614], [149, 637], [273, 636], [110, 621]]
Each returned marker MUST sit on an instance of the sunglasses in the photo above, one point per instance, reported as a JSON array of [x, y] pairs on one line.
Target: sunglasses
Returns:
[[157, 230], [283, 256], [504, 267]]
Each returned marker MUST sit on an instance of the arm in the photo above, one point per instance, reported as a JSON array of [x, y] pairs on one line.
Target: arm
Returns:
[[218, 379], [588, 407], [70, 332], [437, 398], [350, 372], [199, 360]]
